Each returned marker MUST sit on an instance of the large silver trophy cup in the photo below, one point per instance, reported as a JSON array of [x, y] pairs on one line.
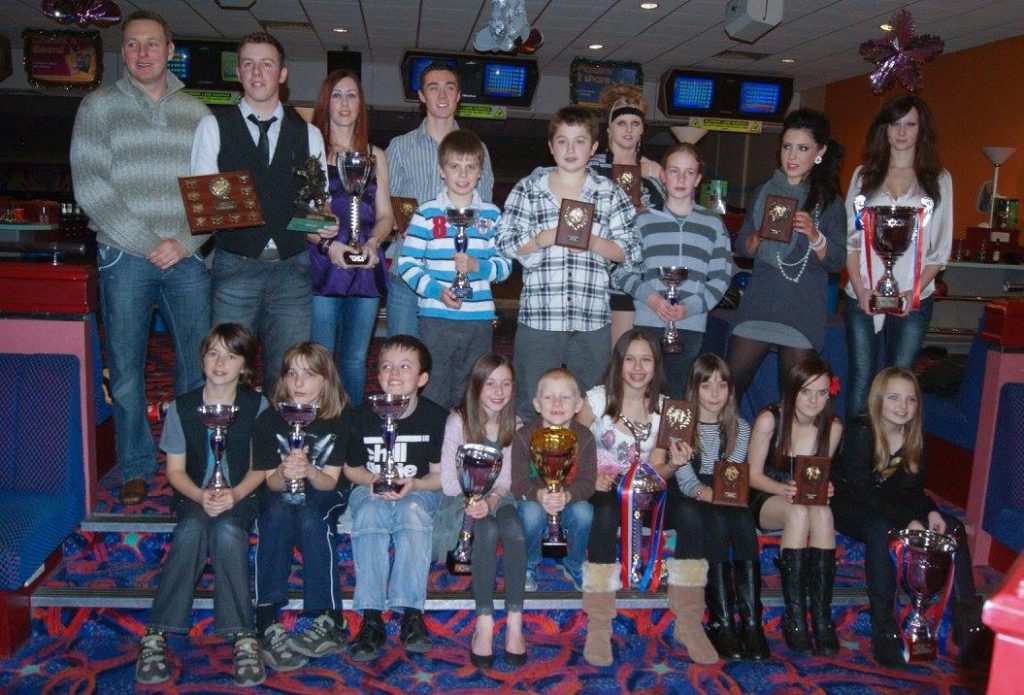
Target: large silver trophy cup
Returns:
[[672, 276], [891, 230], [298, 416], [925, 567], [478, 467], [217, 418], [553, 455], [646, 486], [461, 219], [355, 170], [388, 407]]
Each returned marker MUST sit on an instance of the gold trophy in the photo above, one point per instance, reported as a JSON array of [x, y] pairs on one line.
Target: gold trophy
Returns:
[[553, 456]]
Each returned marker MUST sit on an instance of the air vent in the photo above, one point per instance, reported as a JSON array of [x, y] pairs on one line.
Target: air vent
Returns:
[[271, 25], [745, 56]]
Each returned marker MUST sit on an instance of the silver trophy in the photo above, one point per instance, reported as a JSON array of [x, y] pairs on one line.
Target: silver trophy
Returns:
[[925, 564], [646, 486], [461, 219], [478, 467], [891, 229], [672, 276], [298, 416], [388, 407], [355, 170], [217, 418]]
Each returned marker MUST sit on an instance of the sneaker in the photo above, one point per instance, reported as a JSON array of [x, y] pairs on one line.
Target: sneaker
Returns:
[[531, 581], [414, 634], [574, 576], [368, 642], [322, 637], [249, 669], [279, 651], [151, 666]]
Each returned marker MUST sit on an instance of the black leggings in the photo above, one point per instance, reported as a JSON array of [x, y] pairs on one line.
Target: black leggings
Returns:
[[503, 524], [705, 530], [746, 355]]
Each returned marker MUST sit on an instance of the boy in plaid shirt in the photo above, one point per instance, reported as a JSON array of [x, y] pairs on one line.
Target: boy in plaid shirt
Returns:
[[564, 316]]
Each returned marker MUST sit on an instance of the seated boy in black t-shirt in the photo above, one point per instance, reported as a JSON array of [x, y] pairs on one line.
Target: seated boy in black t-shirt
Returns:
[[404, 517]]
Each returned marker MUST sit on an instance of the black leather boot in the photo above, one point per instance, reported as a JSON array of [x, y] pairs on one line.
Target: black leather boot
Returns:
[[886, 641], [821, 579], [973, 637], [719, 595], [748, 604], [793, 565]]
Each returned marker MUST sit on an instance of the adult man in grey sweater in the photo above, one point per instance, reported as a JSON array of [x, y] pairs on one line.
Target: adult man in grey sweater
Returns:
[[131, 142]]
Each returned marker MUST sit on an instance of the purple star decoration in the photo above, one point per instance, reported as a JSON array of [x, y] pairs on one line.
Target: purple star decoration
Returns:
[[900, 55]]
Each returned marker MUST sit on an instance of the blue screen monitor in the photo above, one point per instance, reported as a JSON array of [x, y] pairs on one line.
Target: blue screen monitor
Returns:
[[759, 97], [180, 63], [502, 80], [693, 92], [418, 65]]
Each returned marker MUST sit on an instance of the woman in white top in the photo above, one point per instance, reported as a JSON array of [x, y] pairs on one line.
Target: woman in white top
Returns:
[[901, 167]]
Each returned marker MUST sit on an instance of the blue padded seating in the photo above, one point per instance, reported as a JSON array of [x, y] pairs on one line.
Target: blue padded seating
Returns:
[[1004, 500], [955, 418], [42, 488]]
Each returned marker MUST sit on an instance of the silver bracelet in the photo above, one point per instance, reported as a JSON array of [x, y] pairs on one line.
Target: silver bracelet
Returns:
[[819, 244]]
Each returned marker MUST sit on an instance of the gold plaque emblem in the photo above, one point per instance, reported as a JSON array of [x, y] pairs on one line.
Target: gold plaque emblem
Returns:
[[678, 417], [812, 473], [576, 218], [198, 208], [408, 209], [627, 179], [731, 473], [778, 212], [220, 187]]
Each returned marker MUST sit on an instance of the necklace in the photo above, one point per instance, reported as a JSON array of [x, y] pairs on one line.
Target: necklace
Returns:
[[802, 263]]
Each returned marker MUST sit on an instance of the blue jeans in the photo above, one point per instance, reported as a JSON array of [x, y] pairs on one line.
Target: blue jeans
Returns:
[[311, 528], [225, 540], [375, 523], [344, 325], [403, 309], [273, 299], [902, 335], [576, 520], [130, 286]]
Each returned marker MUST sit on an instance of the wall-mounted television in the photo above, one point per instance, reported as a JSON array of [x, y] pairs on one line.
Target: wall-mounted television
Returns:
[[684, 93], [588, 78], [485, 80], [206, 64]]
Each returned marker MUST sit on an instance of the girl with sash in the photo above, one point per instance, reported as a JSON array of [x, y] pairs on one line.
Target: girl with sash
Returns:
[[627, 107], [784, 305], [802, 423], [708, 530], [901, 167], [624, 415], [879, 480], [346, 298], [487, 416]]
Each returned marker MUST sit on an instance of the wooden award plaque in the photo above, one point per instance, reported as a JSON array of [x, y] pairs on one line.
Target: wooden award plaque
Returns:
[[811, 474], [575, 222], [404, 209], [629, 178], [678, 423], [220, 201], [777, 223], [731, 484]]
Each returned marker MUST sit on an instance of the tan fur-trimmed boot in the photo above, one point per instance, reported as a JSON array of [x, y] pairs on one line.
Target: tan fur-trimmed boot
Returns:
[[600, 582], [686, 582]]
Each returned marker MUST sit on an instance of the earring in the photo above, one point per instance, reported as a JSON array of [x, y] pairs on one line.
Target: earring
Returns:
[[817, 160]]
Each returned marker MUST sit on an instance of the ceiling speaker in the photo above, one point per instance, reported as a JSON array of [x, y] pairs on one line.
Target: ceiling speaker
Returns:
[[749, 20]]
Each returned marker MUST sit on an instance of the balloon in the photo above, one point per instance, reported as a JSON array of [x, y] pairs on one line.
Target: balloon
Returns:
[[101, 13], [63, 11], [105, 13]]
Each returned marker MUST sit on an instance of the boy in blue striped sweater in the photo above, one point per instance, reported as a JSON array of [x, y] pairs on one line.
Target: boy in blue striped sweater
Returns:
[[456, 331]]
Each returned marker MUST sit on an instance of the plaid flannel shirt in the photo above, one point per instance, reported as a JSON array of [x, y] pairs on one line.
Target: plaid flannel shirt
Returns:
[[565, 290]]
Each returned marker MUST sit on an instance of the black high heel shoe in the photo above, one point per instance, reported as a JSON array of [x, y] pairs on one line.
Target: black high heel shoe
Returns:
[[481, 661], [515, 660]]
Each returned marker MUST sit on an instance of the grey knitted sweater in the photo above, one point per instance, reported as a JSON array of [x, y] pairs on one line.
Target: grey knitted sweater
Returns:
[[127, 152]]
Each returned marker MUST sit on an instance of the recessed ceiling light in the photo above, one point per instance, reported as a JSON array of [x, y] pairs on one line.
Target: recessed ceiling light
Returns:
[[596, 46], [648, 6], [789, 60], [340, 30], [885, 27]]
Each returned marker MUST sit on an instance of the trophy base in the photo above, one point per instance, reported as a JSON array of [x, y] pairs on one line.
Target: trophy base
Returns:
[[465, 292], [310, 224], [887, 305], [919, 650], [554, 549], [458, 567], [356, 258], [382, 486]]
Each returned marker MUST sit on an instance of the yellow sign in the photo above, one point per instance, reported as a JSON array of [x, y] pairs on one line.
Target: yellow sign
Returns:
[[220, 97], [493, 113], [726, 125]]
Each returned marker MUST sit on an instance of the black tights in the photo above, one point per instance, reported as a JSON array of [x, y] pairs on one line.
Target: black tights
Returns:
[[746, 355]]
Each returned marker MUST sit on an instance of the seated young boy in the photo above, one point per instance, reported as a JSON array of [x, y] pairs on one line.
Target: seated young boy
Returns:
[[429, 263], [687, 235], [564, 316], [558, 400], [404, 517]]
